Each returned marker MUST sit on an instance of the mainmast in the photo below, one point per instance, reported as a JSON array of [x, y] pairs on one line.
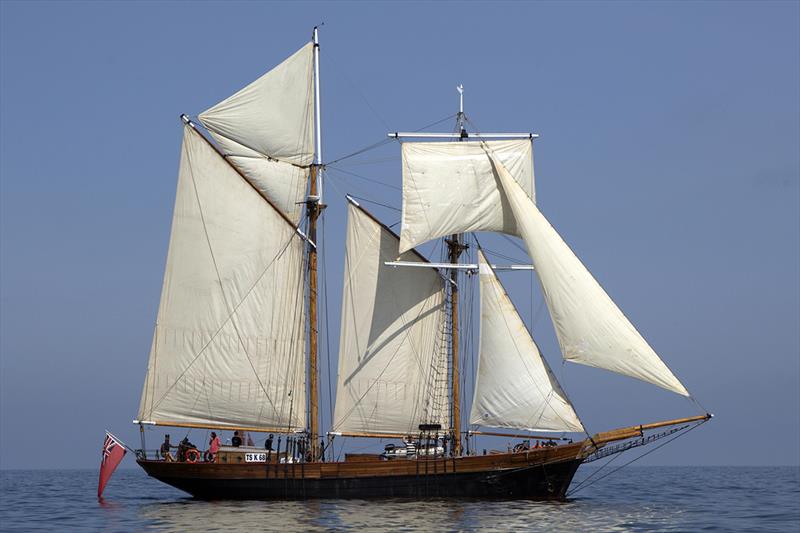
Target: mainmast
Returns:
[[454, 248], [314, 208]]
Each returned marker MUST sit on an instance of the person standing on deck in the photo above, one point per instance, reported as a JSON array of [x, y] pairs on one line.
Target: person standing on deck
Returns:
[[236, 441], [213, 448]]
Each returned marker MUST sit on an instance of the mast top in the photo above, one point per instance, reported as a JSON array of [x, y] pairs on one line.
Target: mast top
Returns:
[[460, 115], [317, 118]]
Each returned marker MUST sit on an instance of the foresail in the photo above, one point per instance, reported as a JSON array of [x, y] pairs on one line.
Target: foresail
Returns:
[[450, 187], [514, 387], [591, 329], [267, 130], [229, 343], [392, 353]]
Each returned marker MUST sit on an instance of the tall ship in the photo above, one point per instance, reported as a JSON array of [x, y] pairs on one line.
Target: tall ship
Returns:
[[236, 347]]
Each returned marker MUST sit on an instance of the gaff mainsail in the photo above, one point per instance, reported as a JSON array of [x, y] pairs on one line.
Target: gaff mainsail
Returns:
[[392, 356], [229, 342]]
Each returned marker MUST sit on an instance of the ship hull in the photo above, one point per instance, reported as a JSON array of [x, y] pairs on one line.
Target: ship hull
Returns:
[[536, 475]]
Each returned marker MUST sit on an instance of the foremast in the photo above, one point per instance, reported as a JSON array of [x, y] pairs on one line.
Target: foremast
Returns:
[[455, 248]]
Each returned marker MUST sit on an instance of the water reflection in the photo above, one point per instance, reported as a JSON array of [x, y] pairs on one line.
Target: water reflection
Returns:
[[403, 515], [399, 515], [643, 499]]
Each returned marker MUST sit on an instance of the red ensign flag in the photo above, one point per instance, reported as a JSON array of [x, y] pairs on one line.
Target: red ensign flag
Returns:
[[113, 452]]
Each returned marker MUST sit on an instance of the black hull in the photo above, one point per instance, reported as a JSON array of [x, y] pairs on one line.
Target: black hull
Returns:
[[539, 482]]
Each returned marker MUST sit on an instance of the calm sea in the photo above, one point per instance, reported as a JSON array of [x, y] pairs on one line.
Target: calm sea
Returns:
[[634, 499]]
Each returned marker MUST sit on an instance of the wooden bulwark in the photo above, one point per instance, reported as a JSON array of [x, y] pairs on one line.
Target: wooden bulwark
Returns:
[[420, 467]]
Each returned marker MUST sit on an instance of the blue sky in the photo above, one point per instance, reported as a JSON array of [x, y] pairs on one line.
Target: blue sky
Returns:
[[668, 160]]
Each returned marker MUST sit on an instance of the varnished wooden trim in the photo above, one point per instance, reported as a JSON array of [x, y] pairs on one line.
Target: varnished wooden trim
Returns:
[[636, 431]]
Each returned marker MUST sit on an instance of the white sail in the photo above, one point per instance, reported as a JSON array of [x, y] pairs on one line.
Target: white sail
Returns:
[[267, 130], [392, 355], [591, 329], [515, 387], [450, 187], [229, 342]]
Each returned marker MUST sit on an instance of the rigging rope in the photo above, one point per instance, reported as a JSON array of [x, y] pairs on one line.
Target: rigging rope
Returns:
[[374, 202], [583, 484], [395, 187], [339, 70], [361, 151]]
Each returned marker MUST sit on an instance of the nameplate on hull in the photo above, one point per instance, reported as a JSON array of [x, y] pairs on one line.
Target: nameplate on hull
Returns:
[[255, 458]]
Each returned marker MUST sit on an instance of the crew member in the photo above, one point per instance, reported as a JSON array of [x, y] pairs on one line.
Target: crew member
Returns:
[[213, 448], [165, 449]]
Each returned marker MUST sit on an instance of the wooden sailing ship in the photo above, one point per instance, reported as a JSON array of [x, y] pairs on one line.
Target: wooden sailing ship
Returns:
[[235, 344]]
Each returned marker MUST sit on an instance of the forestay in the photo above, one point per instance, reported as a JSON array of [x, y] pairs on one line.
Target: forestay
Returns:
[[392, 356], [267, 130], [451, 187], [591, 329], [229, 343], [514, 387]]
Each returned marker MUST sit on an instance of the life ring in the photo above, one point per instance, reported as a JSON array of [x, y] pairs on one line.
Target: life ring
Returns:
[[192, 456]]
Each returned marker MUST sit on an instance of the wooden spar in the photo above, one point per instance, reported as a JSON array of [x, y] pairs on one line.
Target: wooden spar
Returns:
[[676, 421], [455, 248], [313, 373], [636, 431], [221, 428], [516, 435]]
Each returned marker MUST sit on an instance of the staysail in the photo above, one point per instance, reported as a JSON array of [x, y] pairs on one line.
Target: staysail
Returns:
[[514, 387], [267, 130], [591, 329], [450, 187], [392, 356], [229, 343]]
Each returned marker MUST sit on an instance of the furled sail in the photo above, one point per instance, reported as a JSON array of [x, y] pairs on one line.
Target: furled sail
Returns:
[[591, 329], [392, 355], [515, 387], [229, 342], [450, 187], [267, 130]]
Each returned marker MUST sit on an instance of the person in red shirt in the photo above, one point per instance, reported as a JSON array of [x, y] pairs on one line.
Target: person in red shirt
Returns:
[[213, 448]]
